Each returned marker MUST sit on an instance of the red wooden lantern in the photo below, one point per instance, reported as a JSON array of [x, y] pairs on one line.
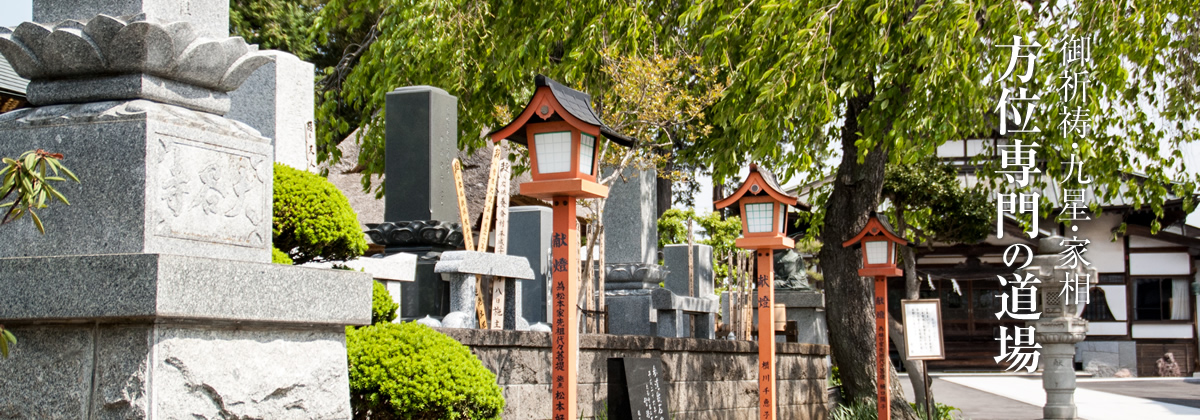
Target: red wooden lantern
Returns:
[[562, 132], [764, 211], [878, 243]]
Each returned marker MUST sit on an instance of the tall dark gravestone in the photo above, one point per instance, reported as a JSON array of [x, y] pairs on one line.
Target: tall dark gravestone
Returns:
[[637, 389], [420, 203], [422, 140]]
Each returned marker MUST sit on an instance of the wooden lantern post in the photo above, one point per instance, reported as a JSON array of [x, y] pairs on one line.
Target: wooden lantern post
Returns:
[[562, 132], [763, 206], [878, 243]]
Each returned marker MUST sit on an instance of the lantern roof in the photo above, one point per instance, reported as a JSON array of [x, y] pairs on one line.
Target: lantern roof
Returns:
[[875, 226], [575, 104], [767, 184]]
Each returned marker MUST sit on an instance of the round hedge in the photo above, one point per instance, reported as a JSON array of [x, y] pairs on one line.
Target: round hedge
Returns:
[[410, 371], [312, 218], [383, 308], [280, 257]]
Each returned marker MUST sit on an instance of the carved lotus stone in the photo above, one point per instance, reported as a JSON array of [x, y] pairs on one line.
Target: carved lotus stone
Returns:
[[109, 58]]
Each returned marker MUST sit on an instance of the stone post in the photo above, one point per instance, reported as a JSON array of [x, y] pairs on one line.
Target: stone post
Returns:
[[1058, 329], [152, 295]]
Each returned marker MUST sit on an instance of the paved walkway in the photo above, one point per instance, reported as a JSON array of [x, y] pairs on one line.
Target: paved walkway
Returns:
[[1010, 397]]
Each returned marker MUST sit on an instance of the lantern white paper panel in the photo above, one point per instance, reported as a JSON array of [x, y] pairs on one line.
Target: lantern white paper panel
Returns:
[[553, 151], [760, 217], [876, 252], [587, 149]]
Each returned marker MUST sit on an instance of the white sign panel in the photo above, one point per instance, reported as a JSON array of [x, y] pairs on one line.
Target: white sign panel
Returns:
[[923, 329]]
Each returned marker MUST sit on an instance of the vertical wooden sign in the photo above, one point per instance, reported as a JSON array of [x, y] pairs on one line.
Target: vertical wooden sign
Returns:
[[564, 338], [766, 335], [882, 360], [500, 284]]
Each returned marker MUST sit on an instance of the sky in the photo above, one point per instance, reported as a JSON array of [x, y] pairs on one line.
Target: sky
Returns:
[[13, 12]]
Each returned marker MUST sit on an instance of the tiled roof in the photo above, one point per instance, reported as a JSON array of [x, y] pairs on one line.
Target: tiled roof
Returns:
[[9, 80]]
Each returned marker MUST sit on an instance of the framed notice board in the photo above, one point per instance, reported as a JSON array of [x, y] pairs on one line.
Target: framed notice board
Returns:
[[923, 329]]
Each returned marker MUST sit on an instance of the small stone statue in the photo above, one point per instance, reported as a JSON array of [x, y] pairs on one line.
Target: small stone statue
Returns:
[[790, 272], [1167, 366]]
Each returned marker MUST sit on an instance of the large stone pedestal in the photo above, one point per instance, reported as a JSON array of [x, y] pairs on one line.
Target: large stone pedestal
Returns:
[[154, 178], [807, 309], [147, 336]]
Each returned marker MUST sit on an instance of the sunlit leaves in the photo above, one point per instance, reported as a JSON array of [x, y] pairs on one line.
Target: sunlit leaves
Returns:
[[27, 180]]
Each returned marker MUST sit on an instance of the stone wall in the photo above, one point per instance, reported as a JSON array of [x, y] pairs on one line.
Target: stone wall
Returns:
[[707, 379]]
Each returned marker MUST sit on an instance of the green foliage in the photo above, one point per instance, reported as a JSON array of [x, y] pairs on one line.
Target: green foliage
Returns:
[[936, 207], [383, 308], [861, 409], [672, 229], [943, 411], [276, 24], [280, 257], [6, 339], [410, 371], [29, 177], [312, 218]]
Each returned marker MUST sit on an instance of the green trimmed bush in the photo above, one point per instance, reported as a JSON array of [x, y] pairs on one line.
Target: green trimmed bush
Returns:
[[383, 308], [312, 218], [410, 371], [280, 257]]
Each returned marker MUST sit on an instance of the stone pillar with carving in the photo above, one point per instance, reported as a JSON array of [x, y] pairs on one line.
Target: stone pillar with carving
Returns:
[[152, 295], [1059, 328]]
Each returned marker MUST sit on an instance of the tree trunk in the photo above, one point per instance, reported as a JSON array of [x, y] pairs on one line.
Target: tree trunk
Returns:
[[849, 305], [663, 190]]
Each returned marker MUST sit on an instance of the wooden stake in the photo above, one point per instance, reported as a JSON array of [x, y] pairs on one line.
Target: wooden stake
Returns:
[[464, 213], [691, 264], [490, 201], [500, 284]]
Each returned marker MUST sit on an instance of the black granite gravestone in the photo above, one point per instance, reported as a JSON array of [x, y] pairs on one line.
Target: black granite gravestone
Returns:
[[636, 389]]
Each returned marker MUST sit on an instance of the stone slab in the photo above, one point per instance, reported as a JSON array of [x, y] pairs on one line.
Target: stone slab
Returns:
[[484, 263], [208, 17], [188, 183], [163, 286], [800, 299], [428, 295], [421, 141], [277, 100], [400, 266], [675, 258], [629, 312], [128, 86], [664, 299], [630, 218], [529, 230], [166, 370]]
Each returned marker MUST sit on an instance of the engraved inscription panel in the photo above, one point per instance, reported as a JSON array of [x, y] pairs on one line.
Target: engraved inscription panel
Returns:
[[210, 193]]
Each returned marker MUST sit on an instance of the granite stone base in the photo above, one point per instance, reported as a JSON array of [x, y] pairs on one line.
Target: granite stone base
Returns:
[[148, 336], [807, 309], [171, 370]]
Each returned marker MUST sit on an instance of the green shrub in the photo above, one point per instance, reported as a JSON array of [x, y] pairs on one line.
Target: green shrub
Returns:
[[312, 218], [863, 409], [280, 257], [383, 308], [942, 411], [410, 371]]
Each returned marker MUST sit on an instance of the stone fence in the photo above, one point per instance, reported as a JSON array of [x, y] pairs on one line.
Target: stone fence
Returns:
[[707, 379]]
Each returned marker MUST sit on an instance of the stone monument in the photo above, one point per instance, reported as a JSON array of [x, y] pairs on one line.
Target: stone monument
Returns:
[[692, 298], [277, 100], [461, 267], [152, 295], [420, 206], [631, 249], [529, 230], [1058, 329]]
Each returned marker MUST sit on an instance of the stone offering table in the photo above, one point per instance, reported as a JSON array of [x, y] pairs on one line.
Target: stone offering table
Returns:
[[461, 267]]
